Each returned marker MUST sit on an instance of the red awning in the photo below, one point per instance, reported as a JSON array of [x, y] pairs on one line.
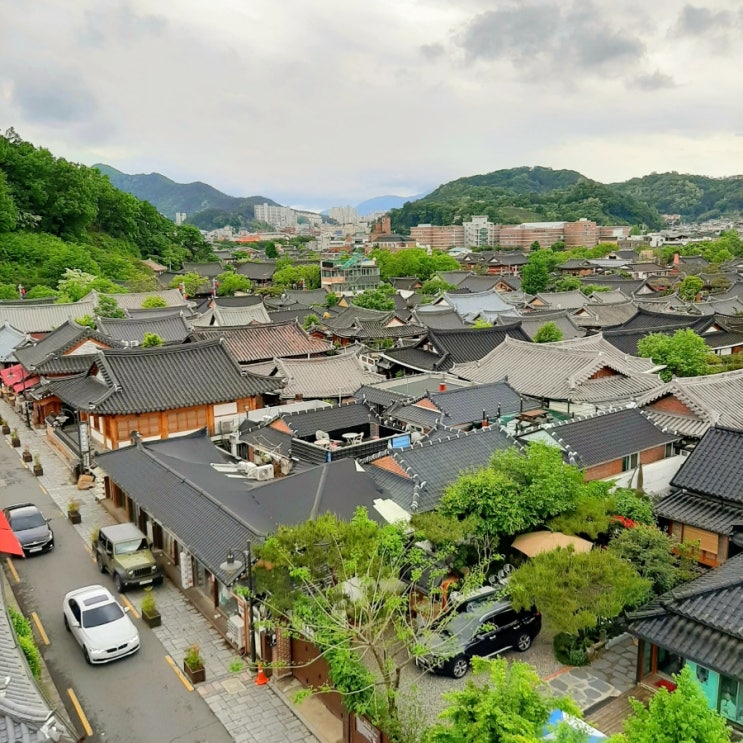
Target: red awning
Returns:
[[26, 384], [9, 543], [17, 378]]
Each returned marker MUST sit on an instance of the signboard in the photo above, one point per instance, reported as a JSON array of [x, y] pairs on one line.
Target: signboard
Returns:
[[368, 730], [186, 567], [398, 442]]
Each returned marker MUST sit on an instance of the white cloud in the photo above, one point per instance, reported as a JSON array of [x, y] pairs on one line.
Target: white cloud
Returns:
[[334, 101]]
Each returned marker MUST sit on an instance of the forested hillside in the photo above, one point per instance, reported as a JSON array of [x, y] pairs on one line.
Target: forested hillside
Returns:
[[694, 197], [55, 215], [525, 194]]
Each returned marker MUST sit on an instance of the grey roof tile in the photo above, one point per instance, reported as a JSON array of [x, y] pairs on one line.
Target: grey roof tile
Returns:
[[10, 339], [222, 316], [438, 317], [335, 418], [696, 510], [172, 329], [134, 300], [43, 318], [533, 321], [471, 344]]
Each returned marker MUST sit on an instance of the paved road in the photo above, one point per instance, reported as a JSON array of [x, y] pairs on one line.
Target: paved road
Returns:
[[137, 699]]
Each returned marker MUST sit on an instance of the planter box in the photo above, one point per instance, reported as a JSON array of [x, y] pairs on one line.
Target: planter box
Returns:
[[152, 620], [74, 516], [38, 471], [27, 456], [15, 442], [195, 676]]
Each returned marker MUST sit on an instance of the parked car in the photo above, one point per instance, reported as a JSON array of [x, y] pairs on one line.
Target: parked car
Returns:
[[484, 629], [100, 624], [124, 551], [30, 527]]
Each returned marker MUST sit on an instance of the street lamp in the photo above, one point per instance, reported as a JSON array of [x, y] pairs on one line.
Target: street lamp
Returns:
[[230, 566]]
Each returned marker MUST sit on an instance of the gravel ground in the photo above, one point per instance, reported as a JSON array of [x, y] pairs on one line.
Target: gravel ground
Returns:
[[423, 692]]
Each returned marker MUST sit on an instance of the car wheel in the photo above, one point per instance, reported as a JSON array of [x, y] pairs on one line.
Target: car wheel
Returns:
[[459, 667], [66, 623], [524, 642], [119, 583], [99, 562], [86, 656]]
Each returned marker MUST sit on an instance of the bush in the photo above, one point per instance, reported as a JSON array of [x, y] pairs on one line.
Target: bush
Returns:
[[33, 656], [21, 625], [634, 506], [570, 649]]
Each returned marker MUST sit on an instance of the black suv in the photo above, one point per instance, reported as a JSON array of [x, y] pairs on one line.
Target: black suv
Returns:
[[486, 630], [30, 527]]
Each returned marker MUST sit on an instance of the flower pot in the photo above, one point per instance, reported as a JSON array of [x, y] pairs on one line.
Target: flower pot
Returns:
[[74, 516], [38, 470], [152, 619], [15, 442], [196, 675], [6, 430], [27, 456]]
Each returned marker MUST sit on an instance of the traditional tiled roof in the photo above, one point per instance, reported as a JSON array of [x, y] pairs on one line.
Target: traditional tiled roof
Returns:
[[415, 358], [429, 468], [700, 621], [713, 399], [141, 380], [240, 300], [629, 287], [471, 305], [604, 315], [335, 418], [476, 283], [256, 271], [298, 313], [373, 394], [61, 340], [224, 316], [374, 329], [651, 321], [438, 317], [613, 296], [565, 370], [609, 436], [159, 313], [453, 277], [252, 343], [172, 329], [10, 339], [310, 297], [508, 258], [710, 514], [570, 300], [715, 467], [134, 300], [209, 270], [531, 322], [326, 376], [43, 318], [471, 344], [349, 317]]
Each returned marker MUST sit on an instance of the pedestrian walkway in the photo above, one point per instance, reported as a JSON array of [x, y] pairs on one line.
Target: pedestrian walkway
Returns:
[[611, 674], [248, 712]]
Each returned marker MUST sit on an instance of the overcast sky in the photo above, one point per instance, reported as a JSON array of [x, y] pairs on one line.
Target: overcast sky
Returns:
[[329, 102]]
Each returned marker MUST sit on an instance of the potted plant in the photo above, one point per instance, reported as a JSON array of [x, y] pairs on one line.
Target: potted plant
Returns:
[[26, 454], [15, 439], [73, 510], [193, 664], [38, 469], [5, 426], [150, 614]]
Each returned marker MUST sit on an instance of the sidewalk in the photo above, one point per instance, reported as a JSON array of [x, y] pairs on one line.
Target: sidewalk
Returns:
[[248, 712]]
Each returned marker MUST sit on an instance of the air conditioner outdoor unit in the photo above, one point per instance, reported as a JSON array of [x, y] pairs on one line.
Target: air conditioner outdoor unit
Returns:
[[236, 632], [247, 468], [264, 473]]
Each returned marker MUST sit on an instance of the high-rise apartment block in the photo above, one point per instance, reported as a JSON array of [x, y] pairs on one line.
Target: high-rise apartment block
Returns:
[[276, 216], [438, 237], [344, 214]]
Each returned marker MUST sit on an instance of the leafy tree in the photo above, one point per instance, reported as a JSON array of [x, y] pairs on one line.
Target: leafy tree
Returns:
[[568, 284], [39, 291], [412, 262], [109, 307], [481, 322], [230, 283], [359, 618], [690, 287], [288, 275], [591, 516], [154, 302], [509, 707], [575, 591], [684, 353], [589, 289], [683, 716], [331, 300], [633, 505], [309, 321], [74, 284], [151, 340], [376, 299], [271, 251], [8, 211], [86, 320], [548, 333], [535, 275], [191, 281], [436, 286]]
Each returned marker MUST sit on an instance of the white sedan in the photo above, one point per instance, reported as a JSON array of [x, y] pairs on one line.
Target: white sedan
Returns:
[[100, 624]]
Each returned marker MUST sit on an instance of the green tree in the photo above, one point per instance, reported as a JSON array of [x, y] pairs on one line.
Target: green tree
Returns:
[[568, 284], [690, 287], [151, 340], [230, 283], [683, 716], [153, 302], [684, 353], [590, 518], [331, 300], [8, 211], [633, 505], [75, 284], [511, 706], [191, 281], [436, 286], [309, 321], [481, 322], [575, 591], [535, 275], [376, 299], [109, 307], [271, 251], [548, 333]]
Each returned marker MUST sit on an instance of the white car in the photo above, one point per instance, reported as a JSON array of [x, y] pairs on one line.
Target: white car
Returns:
[[100, 624]]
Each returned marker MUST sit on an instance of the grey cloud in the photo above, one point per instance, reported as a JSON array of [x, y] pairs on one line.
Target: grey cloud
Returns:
[[119, 22], [656, 81], [432, 51], [696, 21], [53, 98]]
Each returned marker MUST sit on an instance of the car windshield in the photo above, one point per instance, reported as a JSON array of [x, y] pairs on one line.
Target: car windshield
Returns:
[[27, 521], [102, 615], [130, 546], [462, 625]]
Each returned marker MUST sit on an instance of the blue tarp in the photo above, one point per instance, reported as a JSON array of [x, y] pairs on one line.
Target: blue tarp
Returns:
[[557, 716]]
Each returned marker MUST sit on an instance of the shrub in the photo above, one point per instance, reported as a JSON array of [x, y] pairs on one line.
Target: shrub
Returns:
[[193, 657], [570, 649], [634, 506], [149, 604], [33, 656], [21, 625]]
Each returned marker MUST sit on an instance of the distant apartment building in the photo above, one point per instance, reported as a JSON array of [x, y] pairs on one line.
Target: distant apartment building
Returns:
[[276, 216], [480, 232], [438, 237], [344, 214], [180, 217], [583, 233], [351, 274]]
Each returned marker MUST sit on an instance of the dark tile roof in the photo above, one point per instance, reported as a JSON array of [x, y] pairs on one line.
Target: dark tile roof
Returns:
[[701, 620], [309, 297], [628, 286], [43, 318], [439, 318], [701, 511], [374, 329], [477, 283], [656, 322], [565, 322], [297, 313], [335, 418], [375, 395], [715, 467], [131, 381], [416, 358], [256, 271], [56, 343], [172, 329], [609, 436], [350, 316], [156, 313], [268, 439], [508, 258], [74, 363], [243, 300], [251, 343], [471, 344], [435, 465], [209, 270]]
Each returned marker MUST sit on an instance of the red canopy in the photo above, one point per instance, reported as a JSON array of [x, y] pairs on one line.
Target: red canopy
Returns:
[[8, 540], [17, 378]]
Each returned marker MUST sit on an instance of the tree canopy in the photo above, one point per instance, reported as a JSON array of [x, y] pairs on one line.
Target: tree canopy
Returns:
[[684, 353], [376, 299], [548, 333]]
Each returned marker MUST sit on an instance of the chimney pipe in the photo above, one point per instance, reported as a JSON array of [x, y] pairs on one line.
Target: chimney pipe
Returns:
[[442, 386]]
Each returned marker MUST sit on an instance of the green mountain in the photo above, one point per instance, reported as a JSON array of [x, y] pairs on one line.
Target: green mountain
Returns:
[[526, 194], [694, 197], [205, 206]]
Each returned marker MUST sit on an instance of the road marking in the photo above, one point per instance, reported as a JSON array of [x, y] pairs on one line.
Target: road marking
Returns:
[[40, 627], [13, 571], [43, 489], [80, 713], [130, 605], [179, 673]]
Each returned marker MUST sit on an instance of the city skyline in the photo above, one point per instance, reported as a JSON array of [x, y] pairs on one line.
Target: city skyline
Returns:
[[331, 103]]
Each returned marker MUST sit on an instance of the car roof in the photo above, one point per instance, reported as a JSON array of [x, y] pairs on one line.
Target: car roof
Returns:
[[122, 531], [88, 592], [19, 506]]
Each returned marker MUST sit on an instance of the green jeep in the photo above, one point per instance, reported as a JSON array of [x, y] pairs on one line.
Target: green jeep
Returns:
[[123, 551]]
